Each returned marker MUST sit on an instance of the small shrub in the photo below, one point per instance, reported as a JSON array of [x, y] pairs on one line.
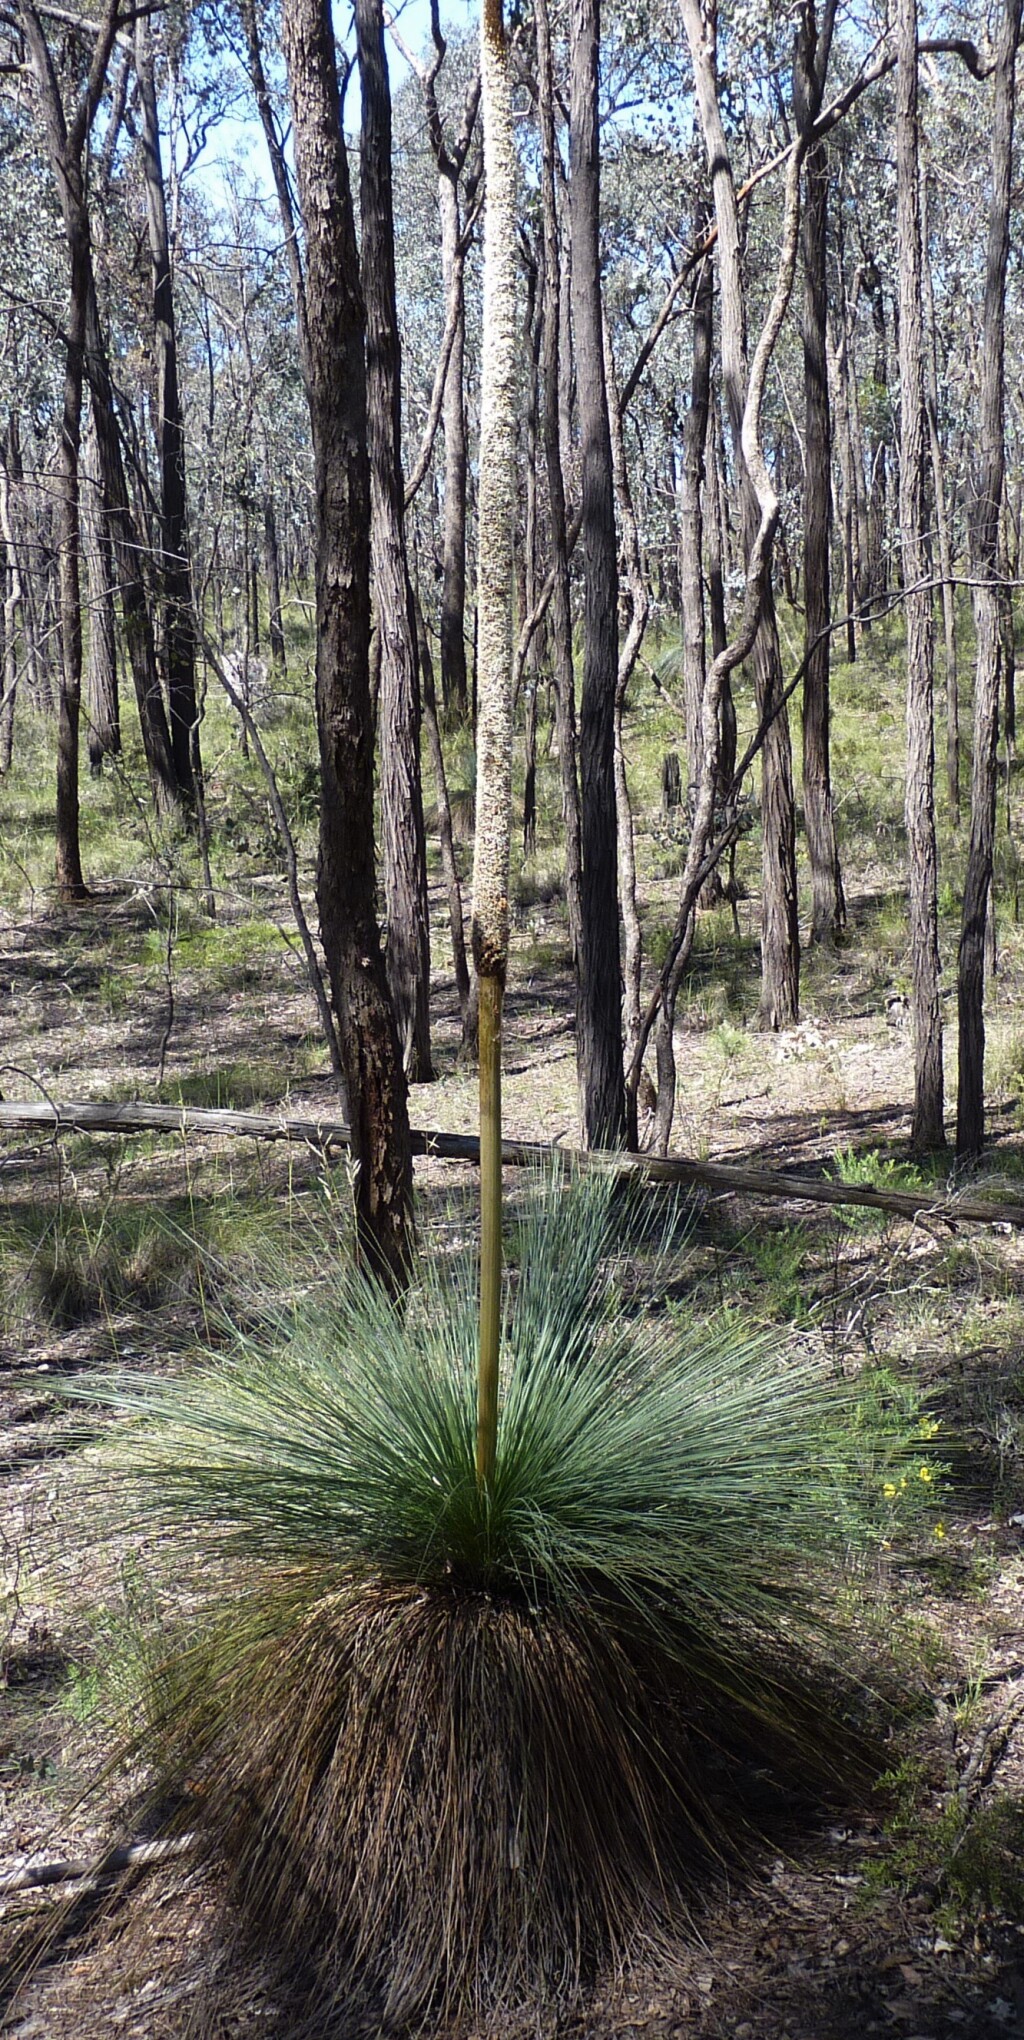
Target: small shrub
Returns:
[[464, 1745]]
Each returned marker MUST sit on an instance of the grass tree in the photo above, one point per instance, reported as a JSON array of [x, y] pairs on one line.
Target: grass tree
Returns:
[[473, 1663]]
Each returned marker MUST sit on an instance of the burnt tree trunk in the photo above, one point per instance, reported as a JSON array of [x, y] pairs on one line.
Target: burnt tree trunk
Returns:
[[272, 559], [405, 857], [346, 878], [598, 1020], [828, 907], [988, 494], [175, 559], [927, 1129]]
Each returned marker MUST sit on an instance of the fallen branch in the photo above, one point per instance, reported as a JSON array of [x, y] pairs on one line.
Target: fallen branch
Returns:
[[90, 1116], [126, 1856]]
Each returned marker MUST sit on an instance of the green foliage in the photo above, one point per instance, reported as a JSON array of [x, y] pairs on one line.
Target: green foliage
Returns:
[[466, 1744]]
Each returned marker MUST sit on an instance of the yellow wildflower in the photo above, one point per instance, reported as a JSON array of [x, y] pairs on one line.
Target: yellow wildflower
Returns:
[[925, 1473], [889, 1490], [940, 1529]]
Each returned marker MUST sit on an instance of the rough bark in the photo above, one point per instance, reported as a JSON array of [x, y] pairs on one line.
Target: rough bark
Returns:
[[941, 523], [828, 907], [175, 557], [598, 1018], [346, 879], [445, 833], [407, 956], [927, 1130], [104, 740], [272, 560], [987, 493]]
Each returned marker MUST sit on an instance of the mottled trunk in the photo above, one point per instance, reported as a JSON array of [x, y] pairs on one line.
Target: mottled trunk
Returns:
[[691, 519], [560, 613], [941, 524], [598, 1020], [346, 877], [102, 690], [405, 858], [828, 907], [272, 560], [70, 882], [927, 1129], [987, 494]]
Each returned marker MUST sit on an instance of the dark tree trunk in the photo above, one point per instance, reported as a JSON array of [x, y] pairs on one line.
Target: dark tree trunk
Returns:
[[175, 559], [346, 879], [988, 493], [272, 559], [454, 686], [927, 1131], [941, 525], [405, 857], [446, 838], [599, 1024], [70, 882], [104, 705], [828, 907]]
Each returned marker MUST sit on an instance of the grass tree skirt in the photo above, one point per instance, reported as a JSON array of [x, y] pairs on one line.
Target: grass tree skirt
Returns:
[[463, 1745]]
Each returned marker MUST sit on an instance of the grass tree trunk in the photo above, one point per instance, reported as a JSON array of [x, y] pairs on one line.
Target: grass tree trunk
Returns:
[[346, 877], [922, 850], [988, 495], [495, 569], [405, 855]]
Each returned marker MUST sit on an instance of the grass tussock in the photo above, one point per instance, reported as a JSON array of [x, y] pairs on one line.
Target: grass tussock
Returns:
[[464, 1747]]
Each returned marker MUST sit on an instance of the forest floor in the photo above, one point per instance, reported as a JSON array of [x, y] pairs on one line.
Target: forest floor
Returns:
[[899, 1914]]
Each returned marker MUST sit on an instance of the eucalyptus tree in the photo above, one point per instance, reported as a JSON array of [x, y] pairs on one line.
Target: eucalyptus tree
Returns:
[[405, 860], [922, 852], [987, 483], [346, 879], [598, 1018], [780, 937]]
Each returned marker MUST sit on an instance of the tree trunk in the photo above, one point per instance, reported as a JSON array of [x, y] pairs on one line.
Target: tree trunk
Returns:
[[691, 521], [405, 857], [346, 878], [104, 703], [445, 833], [175, 559], [598, 1020], [560, 612], [780, 935], [70, 882], [987, 504], [454, 687], [927, 1129], [272, 558], [941, 524], [828, 907]]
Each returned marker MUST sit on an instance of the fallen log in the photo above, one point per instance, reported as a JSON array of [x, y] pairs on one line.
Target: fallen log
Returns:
[[324, 1132], [125, 1856]]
